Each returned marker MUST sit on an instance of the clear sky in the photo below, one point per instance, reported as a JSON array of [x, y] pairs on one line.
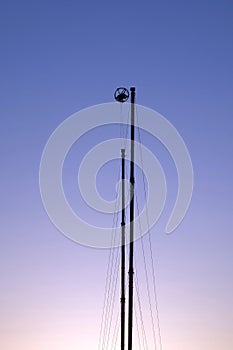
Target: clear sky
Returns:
[[58, 57]]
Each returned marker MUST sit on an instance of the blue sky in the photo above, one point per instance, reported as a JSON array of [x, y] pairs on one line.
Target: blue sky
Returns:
[[58, 57]]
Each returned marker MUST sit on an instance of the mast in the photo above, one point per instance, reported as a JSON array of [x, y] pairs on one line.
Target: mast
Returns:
[[123, 251], [122, 95], [131, 247]]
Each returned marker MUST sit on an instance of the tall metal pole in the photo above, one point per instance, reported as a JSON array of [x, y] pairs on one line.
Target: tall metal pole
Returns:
[[131, 247], [123, 251]]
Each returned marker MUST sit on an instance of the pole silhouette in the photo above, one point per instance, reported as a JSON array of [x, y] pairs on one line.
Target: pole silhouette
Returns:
[[131, 247], [123, 251]]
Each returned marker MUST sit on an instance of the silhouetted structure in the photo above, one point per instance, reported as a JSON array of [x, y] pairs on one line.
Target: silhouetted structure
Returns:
[[122, 95], [123, 251]]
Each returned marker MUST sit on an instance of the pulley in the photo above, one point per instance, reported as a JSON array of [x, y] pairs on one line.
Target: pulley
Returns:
[[121, 94]]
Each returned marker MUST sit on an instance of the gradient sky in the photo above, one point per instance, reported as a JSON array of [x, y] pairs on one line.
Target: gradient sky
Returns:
[[58, 57]]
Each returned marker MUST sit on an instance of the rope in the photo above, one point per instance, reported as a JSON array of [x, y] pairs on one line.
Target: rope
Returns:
[[115, 333], [147, 279], [110, 287], [105, 312], [137, 327], [150, 244], [144, 339], [111, 307]]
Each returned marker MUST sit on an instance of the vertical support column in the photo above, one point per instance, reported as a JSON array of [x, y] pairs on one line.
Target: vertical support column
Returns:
[[123, 251], [131, 251]]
